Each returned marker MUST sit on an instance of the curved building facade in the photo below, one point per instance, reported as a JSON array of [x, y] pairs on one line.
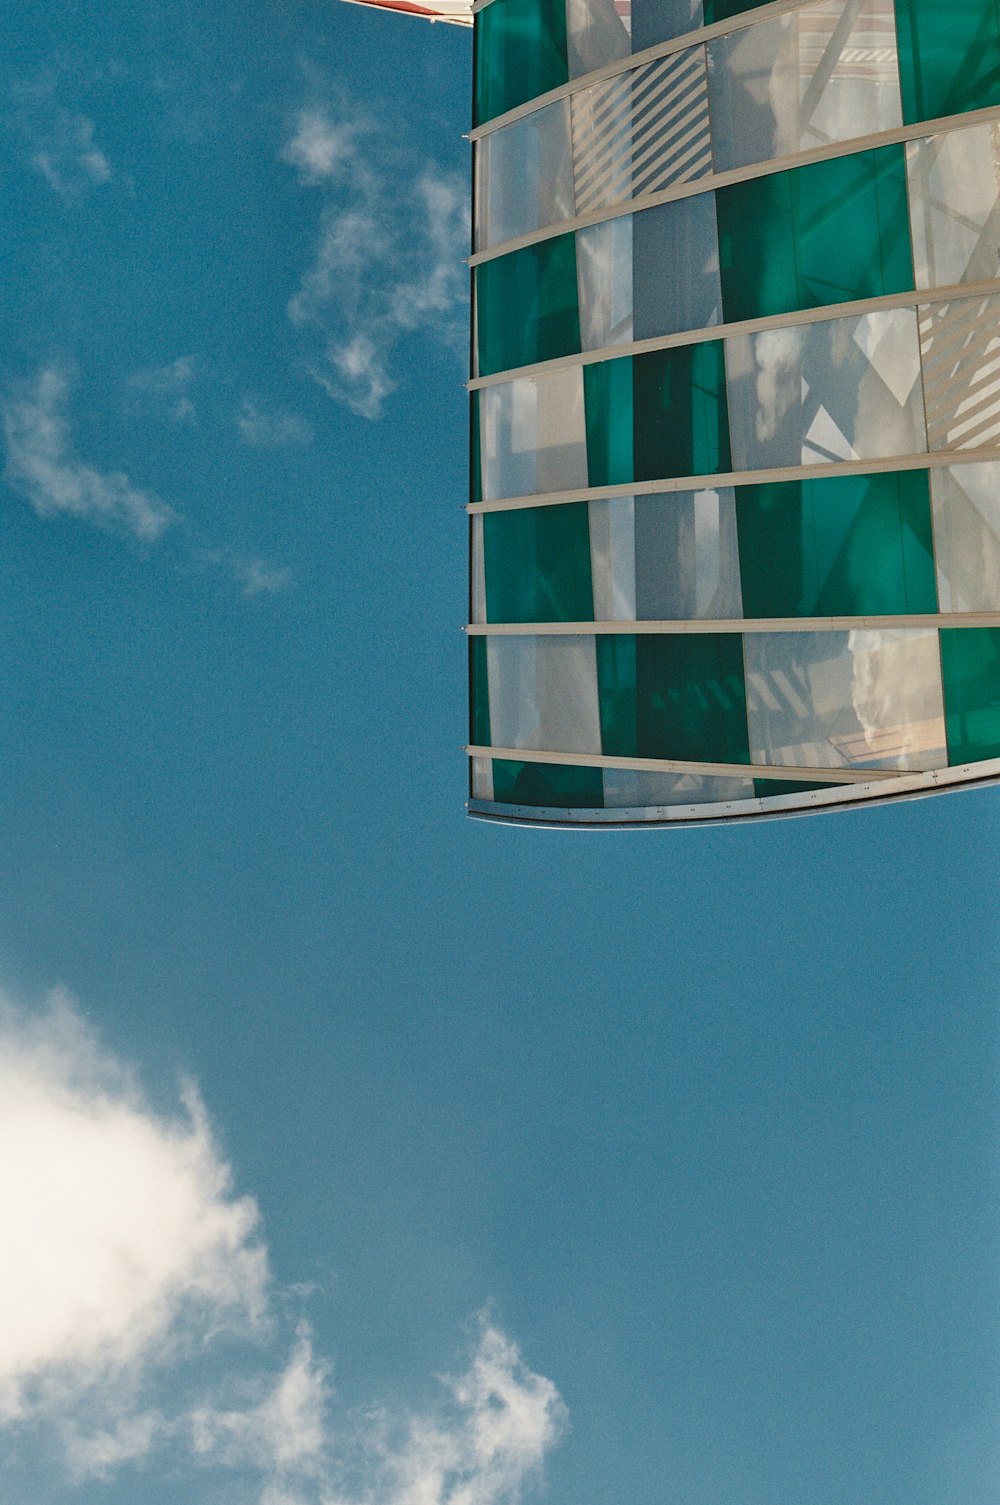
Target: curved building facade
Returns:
[[735, 511]]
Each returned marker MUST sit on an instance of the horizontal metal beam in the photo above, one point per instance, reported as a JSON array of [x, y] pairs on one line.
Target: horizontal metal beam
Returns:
[[826, 314], [699, 625], [680, 765], [815, 472]]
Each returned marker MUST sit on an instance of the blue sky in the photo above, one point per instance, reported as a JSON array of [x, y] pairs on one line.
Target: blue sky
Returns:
[[351, 1152]]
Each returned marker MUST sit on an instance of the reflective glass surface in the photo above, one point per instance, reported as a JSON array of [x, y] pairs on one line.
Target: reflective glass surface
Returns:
[[864, 699], [520, 52], [526, 306], [604, 276], [631, 789], [676, 267], [613, 559], [949, 56], [533, 438], [825, 233], [838, 546], [954, 181], [970, 664], [965, 500], [597, 32], [543, 693], [524, 176], [825, 73], [686, 560], [843, 389], [673, 696], [960, 347]]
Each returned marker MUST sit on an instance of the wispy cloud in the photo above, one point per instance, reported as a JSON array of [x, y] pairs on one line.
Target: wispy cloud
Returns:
[[392, 235], [125, 1253], [43, 465], [165, 389], [60, 144], [271, 430]]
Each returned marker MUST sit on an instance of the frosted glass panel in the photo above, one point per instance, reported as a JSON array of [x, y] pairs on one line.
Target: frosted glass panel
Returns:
[[676, 262], [843, 389], [478, 585], [826, 73], [954, 182], [960, 348], [597, 32], [845, 699], [533, 435], [482, 779], [687, 559], [612, 559], [604, 278], [628, 789], [965, 505], [524, 176], [543, 693]]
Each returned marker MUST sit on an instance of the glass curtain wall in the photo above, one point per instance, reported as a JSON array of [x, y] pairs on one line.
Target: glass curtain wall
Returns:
[[735, 406]]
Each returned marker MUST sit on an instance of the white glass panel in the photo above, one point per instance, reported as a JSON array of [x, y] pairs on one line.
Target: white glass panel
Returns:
[[965, 504], [533, 435], [825, 73], [597, 32], [628, 789], [478, 592], [687, 556], [675, 249], [604, 279], [954, 182], [524, 176], [843, 389], [482, 778], [960, 347], [612, 559], [845, 699], [543, 693], [658, 20]]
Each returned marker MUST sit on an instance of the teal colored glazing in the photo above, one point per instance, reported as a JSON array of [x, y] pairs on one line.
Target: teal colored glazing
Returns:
[[721, 10], [838, 546], [520, 53], [949, 56], [479, 694], [475, 452], [526, 305], [770, 788], [616, 690], [681, 418], [552, 785], [607, 390], [673, 696], [970, 668], [826, 233], [537, 565]]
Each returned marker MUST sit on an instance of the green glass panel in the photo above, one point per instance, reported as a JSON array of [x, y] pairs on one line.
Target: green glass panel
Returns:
[[526, 306], [479, 694], [970, 665], [816, 235], [520, 52], [839, 546], [553, 785], [949, 56], [607, 391], [475, 456], [721, 10], [769, 788], [616, 689], [690, 697], [537, 564], [681, 417]]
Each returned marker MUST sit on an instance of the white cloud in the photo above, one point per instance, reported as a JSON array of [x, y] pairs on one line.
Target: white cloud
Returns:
[[125, 1255], [165, 389], [42, 464], [258, 578], [60, 144], [267, 430], [392, 235], [118, 1227]]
